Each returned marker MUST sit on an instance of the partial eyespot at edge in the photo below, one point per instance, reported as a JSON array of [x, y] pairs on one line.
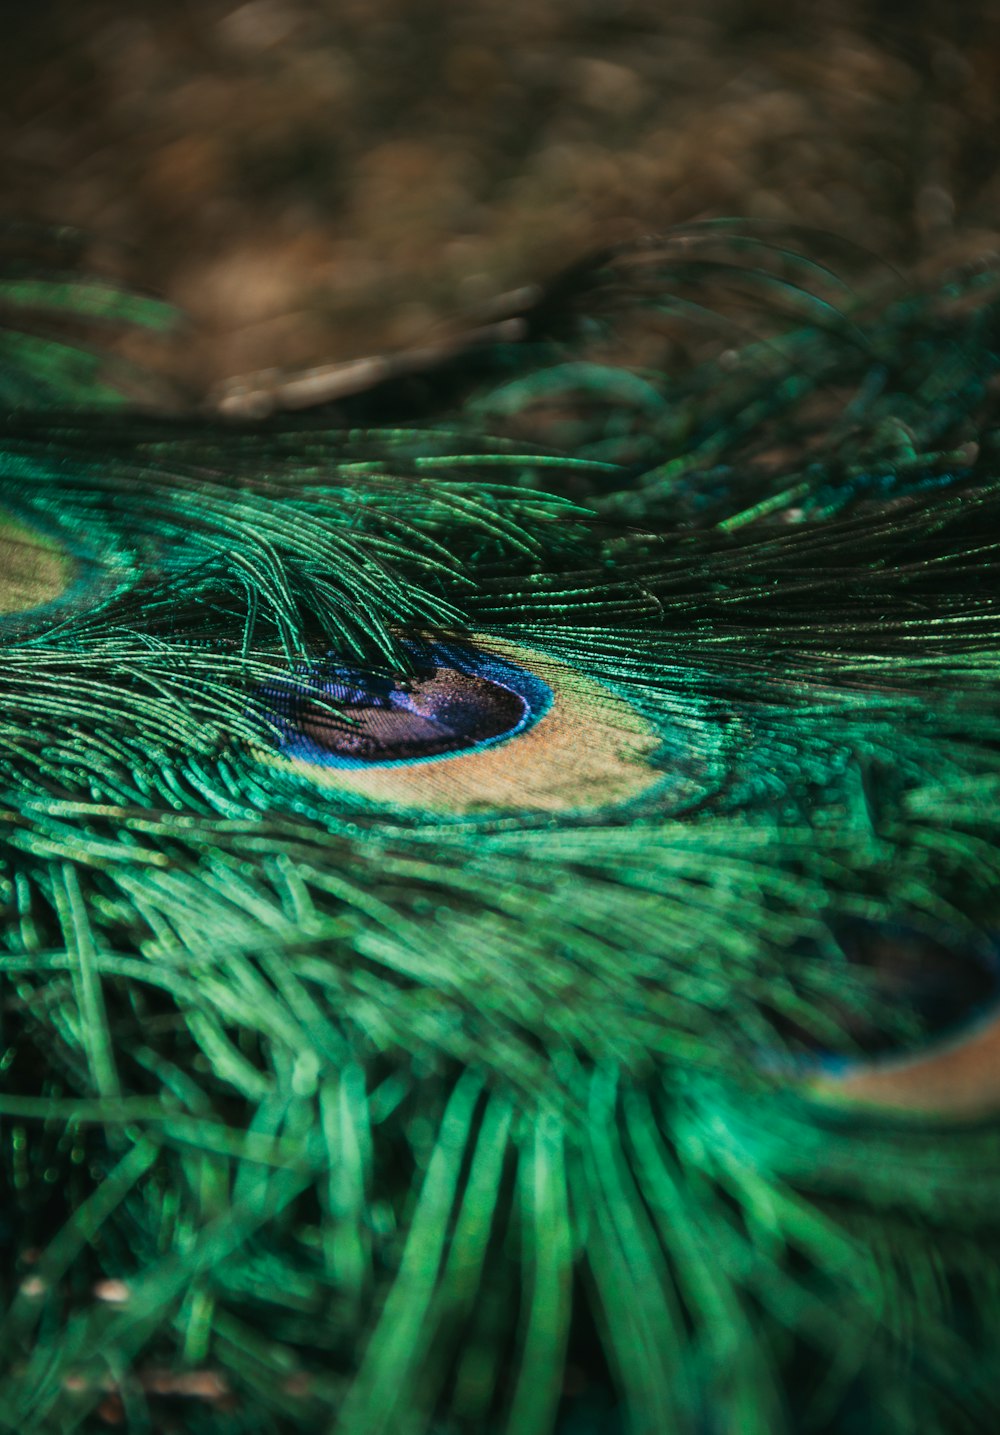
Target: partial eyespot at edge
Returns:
[[957, 1078], [35, 569], [50, 570]]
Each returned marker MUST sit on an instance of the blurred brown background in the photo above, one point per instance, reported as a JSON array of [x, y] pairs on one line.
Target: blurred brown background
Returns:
[[319, 179]]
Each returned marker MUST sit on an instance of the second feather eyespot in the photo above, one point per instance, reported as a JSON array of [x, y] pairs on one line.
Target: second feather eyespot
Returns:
[[939, 1050], [48, 573]]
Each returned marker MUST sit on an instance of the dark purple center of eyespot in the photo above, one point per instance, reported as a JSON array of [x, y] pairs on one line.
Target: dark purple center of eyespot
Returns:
[[445, 711], [457, 698]]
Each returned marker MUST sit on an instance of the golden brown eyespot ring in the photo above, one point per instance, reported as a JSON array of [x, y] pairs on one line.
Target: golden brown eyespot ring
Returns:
[[959, 1078], [35, 569], [52, 568], [948, 983]]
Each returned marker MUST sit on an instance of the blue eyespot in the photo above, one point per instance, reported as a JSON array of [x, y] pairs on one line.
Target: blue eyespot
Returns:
[[456, 700]]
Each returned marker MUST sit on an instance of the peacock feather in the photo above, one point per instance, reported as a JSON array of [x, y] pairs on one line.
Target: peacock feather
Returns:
[[501, 872]]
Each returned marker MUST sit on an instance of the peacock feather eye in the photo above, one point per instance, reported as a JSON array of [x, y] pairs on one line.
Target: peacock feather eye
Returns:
[[455, 700], [944, 1057], [50, 570], [480, 726]]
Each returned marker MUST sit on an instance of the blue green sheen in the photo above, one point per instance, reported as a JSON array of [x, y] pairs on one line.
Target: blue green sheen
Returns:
[[320, 1115]]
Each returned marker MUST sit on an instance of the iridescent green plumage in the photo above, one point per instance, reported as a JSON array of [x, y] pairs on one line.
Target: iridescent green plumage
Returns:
[[519, 1115]]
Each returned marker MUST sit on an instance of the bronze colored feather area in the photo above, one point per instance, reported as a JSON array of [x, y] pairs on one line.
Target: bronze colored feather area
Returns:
[[959, 1079], [34, 570]]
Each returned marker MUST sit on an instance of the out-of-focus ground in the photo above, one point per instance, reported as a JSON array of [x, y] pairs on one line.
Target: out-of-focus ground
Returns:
[[318, 179]]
